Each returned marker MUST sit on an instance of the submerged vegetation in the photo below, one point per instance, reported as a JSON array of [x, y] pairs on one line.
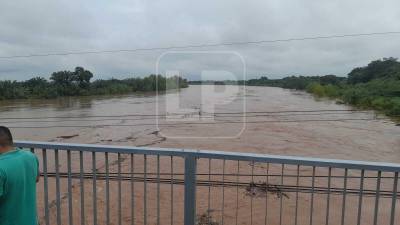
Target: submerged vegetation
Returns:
[[375, 86], [78, 83]]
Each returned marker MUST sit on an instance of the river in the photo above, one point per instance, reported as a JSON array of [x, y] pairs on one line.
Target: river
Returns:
[[299, 129]]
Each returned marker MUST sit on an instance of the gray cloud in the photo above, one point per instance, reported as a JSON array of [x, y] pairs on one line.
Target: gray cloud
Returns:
[[29, 27]]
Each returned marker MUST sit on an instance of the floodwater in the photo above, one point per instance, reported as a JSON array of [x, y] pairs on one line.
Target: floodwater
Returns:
[[227, 118], [130, 120]]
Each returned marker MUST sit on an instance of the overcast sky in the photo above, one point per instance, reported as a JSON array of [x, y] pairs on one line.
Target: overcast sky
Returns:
[[48, 26]]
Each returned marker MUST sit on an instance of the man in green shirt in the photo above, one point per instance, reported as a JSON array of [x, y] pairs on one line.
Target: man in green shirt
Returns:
[[18, 176]]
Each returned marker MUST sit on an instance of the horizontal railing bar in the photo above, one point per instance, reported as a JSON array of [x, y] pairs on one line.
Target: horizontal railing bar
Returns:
[[216, 183], [240, 175], [252, 157]]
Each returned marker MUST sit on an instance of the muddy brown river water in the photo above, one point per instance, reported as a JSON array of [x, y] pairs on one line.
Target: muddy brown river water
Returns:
[[256, 119], [377, 140]]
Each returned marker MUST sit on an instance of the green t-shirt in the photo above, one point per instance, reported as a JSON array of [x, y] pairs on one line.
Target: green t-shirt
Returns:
[[18, 173]]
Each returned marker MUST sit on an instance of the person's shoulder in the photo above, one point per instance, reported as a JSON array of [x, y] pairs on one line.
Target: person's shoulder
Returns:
[[28, 156], [26, 153]]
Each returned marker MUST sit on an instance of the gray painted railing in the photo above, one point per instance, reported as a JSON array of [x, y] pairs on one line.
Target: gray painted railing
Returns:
[[251, 189]]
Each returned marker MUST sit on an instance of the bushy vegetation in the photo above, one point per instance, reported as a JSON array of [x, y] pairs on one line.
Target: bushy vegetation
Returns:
[[78, 83], [375, 86], [293, 82]]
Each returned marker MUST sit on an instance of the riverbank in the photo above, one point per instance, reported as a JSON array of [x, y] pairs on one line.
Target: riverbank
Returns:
[[375, 86], [379, 95]]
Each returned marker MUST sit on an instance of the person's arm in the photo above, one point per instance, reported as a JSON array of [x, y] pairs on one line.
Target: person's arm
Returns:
[[38, 171], [38, 175]]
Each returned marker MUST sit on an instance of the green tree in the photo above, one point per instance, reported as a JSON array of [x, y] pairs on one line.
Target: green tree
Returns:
[[83, 77], [387, 68]]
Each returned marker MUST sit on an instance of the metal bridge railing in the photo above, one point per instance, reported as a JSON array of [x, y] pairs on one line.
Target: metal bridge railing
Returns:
[[96, 184]]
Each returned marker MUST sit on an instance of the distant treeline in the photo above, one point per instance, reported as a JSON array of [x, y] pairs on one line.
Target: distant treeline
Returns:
[[225, 82], [78, 83], [375, 86]]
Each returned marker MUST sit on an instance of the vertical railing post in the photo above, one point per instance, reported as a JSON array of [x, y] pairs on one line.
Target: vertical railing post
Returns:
[[190, 190]]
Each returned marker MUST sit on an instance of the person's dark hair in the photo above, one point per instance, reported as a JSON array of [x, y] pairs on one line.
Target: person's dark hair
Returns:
[[6, 138]]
